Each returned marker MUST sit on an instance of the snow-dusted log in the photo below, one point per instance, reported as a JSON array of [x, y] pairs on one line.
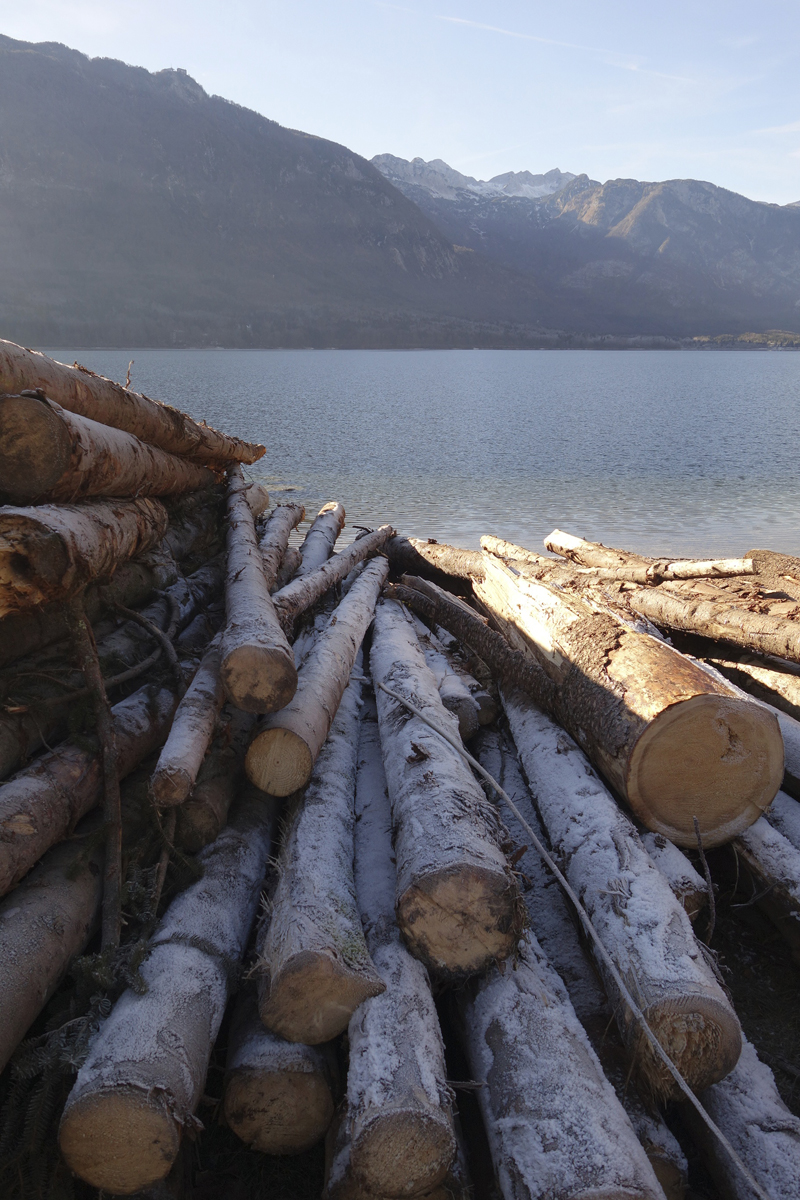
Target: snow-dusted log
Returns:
[[774, 864], [456, 695], [396, 1136], [48, 453], [274, 538], [784, 815], [290, 564], [686, 883], [675, 741], [258, 670], [313, 966], [458, 904], [282, 754], [440, 563], [278, 1095], [607, 563], [44, 923], [200, 819], [640, 922], [321, 537], [53, 551], [765, 1134], [310, 586], [41, 804], [191, 732], [144, 1075], [89, 395]]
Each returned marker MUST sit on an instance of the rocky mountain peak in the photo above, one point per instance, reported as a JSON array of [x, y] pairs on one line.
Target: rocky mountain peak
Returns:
[[439, 179]]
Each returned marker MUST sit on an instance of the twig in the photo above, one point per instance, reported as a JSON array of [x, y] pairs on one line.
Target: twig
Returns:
[[168, 836], [161, 636], [712, 904], [89, 663], [128, 376]]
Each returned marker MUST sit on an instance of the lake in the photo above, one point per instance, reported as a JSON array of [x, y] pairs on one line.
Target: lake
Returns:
[[679, 453]]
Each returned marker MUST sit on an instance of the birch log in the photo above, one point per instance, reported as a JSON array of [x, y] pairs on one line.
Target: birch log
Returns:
[[457, 901], [283, 752], [138, 1089], [274, 538], [321, 537], [641, 924], [52, 552], [278, 1095], [774, 865], [784, 815], [47, 453], [311, 585], [40, 805], [191, 732], [44, 923], [201, 818], [290, 564], [675, 742], [456, 696], [619, 564], [89, 395], [441, 564], [313, 966], [258, 671], [686, 884]]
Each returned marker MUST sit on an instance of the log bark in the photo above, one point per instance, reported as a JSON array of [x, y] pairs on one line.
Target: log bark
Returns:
[[458, 904], [774, 866], [313, 966], [396, 1136], [258, 670], [89, 395], [44, 924], [52, 552], [456, 696], [290, 564], [278, 1095], [768, 679], [608, 563], [784, 815], [310, 586], [673, 740], [47, 453], [40, 805], [321, 537], [282, 754], [687, 885], [441, 564], [138, 1089], [202, 817], [641, 924], [274, 539], [191, 732]]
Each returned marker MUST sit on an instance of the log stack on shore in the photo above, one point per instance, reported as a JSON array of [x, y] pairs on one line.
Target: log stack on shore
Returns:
[[241, 832]]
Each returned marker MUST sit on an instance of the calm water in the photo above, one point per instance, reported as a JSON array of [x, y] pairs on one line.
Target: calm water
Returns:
[[664, 452]]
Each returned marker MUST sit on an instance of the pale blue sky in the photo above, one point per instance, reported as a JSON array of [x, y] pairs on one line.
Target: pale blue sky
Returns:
[[709, 89]]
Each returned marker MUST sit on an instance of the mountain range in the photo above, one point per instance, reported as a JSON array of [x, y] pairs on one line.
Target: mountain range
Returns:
[[136, 209]]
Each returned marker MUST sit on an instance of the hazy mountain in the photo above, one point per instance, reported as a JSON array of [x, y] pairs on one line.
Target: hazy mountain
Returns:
[[679, 257], [135, 209], [438, 179]]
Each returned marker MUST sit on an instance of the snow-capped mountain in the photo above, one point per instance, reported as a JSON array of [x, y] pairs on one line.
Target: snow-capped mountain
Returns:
[[441, 180]]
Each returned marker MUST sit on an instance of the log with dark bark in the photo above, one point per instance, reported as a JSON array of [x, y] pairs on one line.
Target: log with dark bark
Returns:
[[458, 904], [201, 818], [321, 537], [313, 966], [191, 732], [89, 395], [258, 670], [282, 754], [138, 1089], [447, 566], [53, 551], [274, 538], [773, 864], [47, 453], [290, 565]]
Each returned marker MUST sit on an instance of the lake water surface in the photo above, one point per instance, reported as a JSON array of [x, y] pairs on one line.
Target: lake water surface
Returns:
[[680, 453]]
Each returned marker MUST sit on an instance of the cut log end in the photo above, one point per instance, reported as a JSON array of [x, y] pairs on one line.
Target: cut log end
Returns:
[[171, 787], [705, 1041], [285, 1112], [35, 449], [727, 772], [458, 922], [402, 1154], [120, 1140], [279, 762], [259, 679], [314, 997]]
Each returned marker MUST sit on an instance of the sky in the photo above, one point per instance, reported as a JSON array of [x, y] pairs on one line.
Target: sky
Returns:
[[614, 88]]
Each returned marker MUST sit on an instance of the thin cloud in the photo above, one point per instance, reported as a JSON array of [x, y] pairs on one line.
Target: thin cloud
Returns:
[[793, 127]]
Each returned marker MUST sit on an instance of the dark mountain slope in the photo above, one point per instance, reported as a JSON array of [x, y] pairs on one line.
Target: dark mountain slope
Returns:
[[136, 209]]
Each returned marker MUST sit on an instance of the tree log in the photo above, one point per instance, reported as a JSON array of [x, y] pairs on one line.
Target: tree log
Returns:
[[458, 904], [641, 924], [290, 565], [278, 1095], [441, 564], [784, 815], [143, 1078], [40, 805], [47, 920], [768, 679], [310, 586], [191, 732], [203, 816], [615, 564], [774, 865], [52, 552], [47, 453], [321, 537], [258, 670], [686, 884], [675, 741], [282, 754], [274, 538], [313, 966], [89, 395], [456, 696]]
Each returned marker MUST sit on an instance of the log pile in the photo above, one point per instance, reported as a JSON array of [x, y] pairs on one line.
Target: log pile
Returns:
[[236, 796]]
